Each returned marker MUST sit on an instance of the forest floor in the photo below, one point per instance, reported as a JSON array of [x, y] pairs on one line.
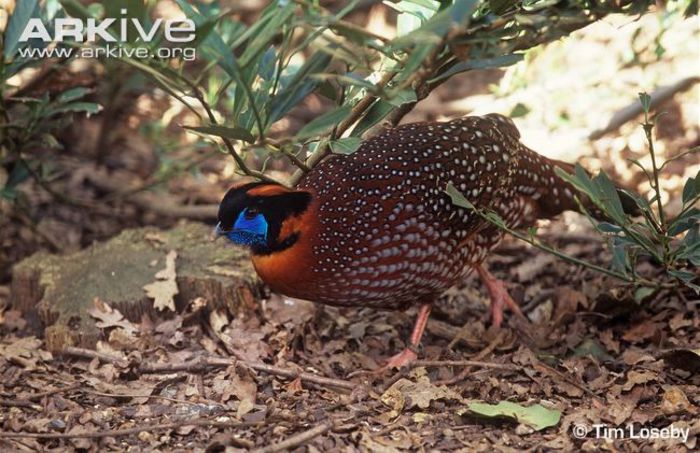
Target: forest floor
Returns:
[[589, 354]]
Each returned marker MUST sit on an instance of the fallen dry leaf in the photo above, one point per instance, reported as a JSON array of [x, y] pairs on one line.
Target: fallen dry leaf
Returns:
[[244, 388], [675, 401], [620, 408], [108, 318], [642, 331], [638, 377], [26, 352], [164, 289], [418, 393]]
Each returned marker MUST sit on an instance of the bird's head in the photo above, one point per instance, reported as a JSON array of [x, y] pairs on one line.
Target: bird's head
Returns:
[[263, 216]]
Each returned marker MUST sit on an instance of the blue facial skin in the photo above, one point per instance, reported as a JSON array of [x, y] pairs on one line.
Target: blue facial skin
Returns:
[[249, 231]]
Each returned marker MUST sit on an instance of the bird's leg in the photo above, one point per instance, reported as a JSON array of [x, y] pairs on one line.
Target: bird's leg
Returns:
[[410, 354], [499, 296]]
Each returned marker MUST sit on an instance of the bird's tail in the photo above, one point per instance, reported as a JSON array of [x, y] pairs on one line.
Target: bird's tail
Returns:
[[554, 195]]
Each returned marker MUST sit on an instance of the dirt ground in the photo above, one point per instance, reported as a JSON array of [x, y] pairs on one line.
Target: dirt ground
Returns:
[[590, 354], [291, 371]]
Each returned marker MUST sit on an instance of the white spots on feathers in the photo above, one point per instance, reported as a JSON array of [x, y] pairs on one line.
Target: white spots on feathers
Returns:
[[389, 236]]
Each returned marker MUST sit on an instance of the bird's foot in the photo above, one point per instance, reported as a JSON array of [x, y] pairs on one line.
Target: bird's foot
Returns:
[[408, 355], [500, 298], [402, 359]]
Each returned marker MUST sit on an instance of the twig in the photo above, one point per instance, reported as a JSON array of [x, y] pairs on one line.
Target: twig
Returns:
[[203, 363], [312, 378], [227, 142], [91, 355], [449, 332], [298, 439], [134, 396], [40, 395], [544, 368], [19, 403], [483, 353], [262, 367], [474, 363], [635, 109], [127, 432], [648, 128]]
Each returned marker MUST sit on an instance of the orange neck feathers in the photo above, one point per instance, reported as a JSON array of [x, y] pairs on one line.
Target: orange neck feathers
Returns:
[[283, 270]]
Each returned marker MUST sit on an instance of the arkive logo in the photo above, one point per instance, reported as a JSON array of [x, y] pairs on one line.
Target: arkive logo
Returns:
[[112, 34], [174, 30]]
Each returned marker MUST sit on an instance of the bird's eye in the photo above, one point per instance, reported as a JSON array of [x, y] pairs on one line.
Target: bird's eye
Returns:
[[251, 213]]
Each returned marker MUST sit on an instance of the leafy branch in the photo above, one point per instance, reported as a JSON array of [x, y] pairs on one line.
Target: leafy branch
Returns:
[[259, 80], [491, 217]]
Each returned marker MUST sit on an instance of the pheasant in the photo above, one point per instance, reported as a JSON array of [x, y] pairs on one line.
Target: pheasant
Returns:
[[376, 228]]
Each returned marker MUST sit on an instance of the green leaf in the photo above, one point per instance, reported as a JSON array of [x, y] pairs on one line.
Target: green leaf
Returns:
[[643, 292], [349, 79], [418, 54], [324, 122], [606, 227], [620, 259], [685, 221], [457, 197], [484, 63], [300, 85], [536, 416], [690, 189], [19, 174], [72, 94], [90, 108], [347, 145], [435, 28], [687, 278], [519, 110], [135, 9], [645, 100], [591, 348], [381, 108], [689, 248], [264, 31], [639, 200], [204, 29], [402, 97], [413, 14], [76, 9], [24, 10], [377, 112], [501, 6], [610, 198], [233, 133]]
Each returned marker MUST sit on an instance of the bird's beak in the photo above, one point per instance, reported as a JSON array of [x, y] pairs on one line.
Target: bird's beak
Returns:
[[217, 232]]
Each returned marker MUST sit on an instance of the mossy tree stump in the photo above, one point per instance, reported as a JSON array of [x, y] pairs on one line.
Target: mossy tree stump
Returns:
[[55, 293]]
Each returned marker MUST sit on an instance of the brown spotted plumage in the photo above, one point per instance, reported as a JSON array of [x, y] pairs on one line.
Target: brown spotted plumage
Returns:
[[377, 229]]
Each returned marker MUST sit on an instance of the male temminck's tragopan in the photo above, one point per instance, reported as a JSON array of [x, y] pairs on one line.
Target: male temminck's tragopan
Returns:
[[376, 228]]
